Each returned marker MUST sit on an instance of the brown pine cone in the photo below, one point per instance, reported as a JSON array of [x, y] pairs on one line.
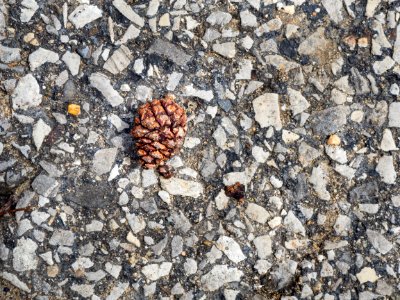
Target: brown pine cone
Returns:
[[160, 130]]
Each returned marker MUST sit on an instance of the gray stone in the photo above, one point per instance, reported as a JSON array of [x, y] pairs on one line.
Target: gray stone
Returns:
[[388, 143], [267, 111], [92, 195], [119, 61], [103, 160], [319, 179], [176, 246], [307, 154], [379, 242], [9, 55], [314, 42], [24, 255], [44, 185], [334, 9], [218, 276], [181, 222], [381, 66], [171, 51], [117, 291], [190, 266], [396, 47], [342, 225], [130, 34], [85, 290], [330, 120], [336, 153], [247, 19], [102, 83], [113, 270], [173, 80], [84, 14], [62, 237], [128, 12], [137, 223], [227, 49], [27, 93]]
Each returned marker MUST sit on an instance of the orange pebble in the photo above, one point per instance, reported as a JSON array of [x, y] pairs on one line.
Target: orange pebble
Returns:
[[333, 140], [74, 109]]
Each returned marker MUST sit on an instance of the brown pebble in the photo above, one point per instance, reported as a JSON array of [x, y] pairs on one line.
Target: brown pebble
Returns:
[[52, 271], [333, 140]]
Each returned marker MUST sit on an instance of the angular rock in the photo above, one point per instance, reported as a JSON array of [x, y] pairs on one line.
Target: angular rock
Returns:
[[263, 246], [293, 224], [103, 160], [29, 7], [156, 271], [15, 281], [181, 187], [394, 115], [42, 56], [267, 111], [102, 83], [257, 213], [218, 276], [330, 120], [24, 255], [119, 61], [231, 249], [84, 14], [27, 93], [298, 103], [386, 170], [319, 179], [227, 50], [62, 237], [388, 143], [73, 61], [128, 12], [219, 18], [9, 55], [44, 185], [190, 91], [171, 51], [379, 242], [39, 132]]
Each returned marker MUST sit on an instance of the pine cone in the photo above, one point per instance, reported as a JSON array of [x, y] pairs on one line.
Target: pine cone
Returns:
[[160, 130]]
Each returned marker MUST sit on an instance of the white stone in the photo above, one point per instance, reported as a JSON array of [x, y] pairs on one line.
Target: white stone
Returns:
[[386, 170], [221, 201], [263, 246], [153, 8], [387, 143], [342, 225], [173, 80], [396, 47], [257, 213], [371, 6], [319, 180], [220, 137], [267, 112], [15, 281], [103, 160], [190, 266], [219, 18], [138, 66], [262, 266], [94, 226], [29, 7], [336, 153], [156, 271], [102, 83], [73, 61], [289, 137], [230, 248], [84, 14], [118, 123], [27, 93], [345, 171], [24, 255], [334, 9], [293, 224], [394, 114], [367, 274], [381, 66], [62, 78], [113, 270], [164, 20], [379, 242], [127, 11], [149, 178], [247, 19], [191, 142], [245, 68], [137, 223], [42, 56], [227, 50], [276, 182], [130, 34], [206, 95], [181, 187], [85, 290], [218, 276], [39, 132], [298, 103], [119, 60]]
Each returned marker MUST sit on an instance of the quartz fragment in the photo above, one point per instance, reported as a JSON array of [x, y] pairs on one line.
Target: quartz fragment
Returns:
[[102, 83], [84, 14], [119, 61], [27, 93], [266, 108]]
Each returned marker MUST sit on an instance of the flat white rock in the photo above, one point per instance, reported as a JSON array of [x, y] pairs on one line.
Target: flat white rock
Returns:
[[298, 103], [227, 50], [24, 255], [388, 143], [84, 14], [73, 61], [319, 180], [181, 187], [42, 56], [15, 281], [218, 276], [156, 271], [119, 61], [385, 169], [230, 248], [127, 11], [263, 246], [257, 213], [103, 160], [266, 108], [103, 84], [39, 132], [206, 95], [27, 93], [29, 7]]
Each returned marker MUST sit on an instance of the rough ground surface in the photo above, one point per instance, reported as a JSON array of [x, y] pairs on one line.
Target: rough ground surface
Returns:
[[265, 84]]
